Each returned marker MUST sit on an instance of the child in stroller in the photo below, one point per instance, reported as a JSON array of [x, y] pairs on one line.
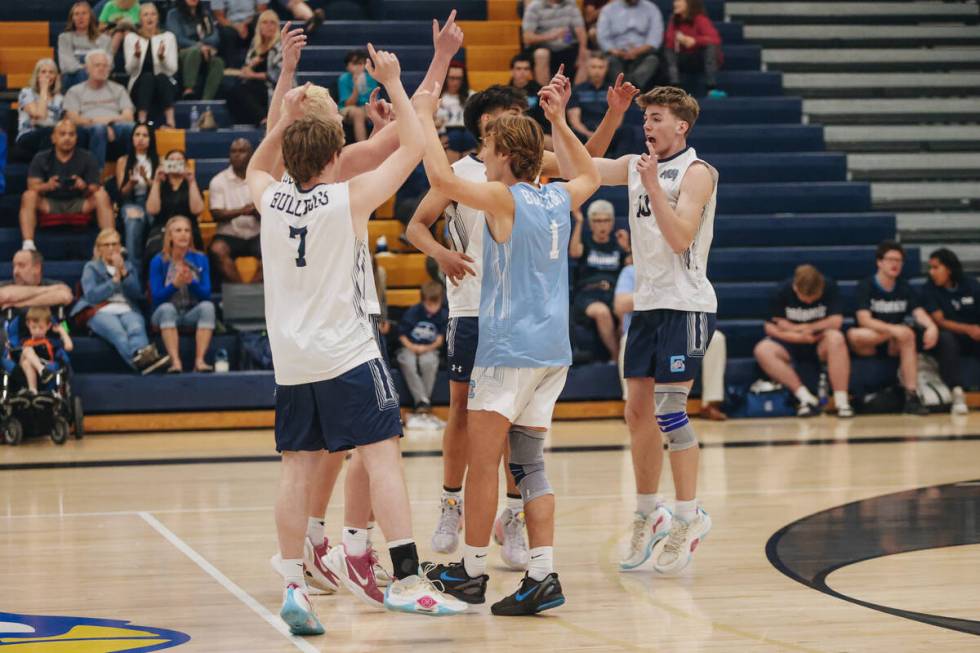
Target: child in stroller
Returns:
[[44, 353]]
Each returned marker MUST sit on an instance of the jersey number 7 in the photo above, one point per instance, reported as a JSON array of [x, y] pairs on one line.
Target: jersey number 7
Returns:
[[301, 253]]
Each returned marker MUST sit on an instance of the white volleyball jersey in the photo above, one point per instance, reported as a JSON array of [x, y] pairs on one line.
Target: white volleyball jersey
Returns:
[[314, 269], [665, 279], [371, 303], [465, 227]]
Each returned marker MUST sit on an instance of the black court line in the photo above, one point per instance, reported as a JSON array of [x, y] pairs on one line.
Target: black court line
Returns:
[[810, 549], [436, 453]]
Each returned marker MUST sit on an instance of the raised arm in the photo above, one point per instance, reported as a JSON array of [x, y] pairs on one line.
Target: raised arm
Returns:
[[574, 159], [370, 190], [493, 198], [268, 156], [293, 42], [359, 158]]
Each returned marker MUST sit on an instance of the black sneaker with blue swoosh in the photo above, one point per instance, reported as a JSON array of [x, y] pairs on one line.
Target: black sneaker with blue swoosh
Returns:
[[455, 582], [531, 597]]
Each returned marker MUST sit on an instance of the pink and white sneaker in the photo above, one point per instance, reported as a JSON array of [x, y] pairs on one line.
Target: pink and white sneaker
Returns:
[[357, 575], [317, 574]]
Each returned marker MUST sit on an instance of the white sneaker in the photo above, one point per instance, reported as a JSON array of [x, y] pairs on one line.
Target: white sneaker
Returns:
[[381, 576], [845, 412], [681, 543], [959, 403], [317, 575], [417, 594], [445, 539], [647, 531], [297, 612], [510, 533], [434, 421], [417, 421]]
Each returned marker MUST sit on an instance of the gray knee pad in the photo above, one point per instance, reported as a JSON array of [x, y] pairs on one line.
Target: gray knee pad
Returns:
[[527, 462], [672, 417]]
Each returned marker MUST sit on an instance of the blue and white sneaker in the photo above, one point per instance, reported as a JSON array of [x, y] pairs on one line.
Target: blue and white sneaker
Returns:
[[297, 612], [681, 543], [416, 594], [647, 531]]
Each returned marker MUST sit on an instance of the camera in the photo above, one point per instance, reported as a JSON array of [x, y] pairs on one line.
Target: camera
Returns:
[[172, 167]]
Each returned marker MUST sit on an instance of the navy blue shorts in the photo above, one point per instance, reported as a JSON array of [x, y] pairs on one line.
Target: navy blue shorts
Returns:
[[379, 337], [667, 345], [462, 337], [798, 351], [357, 408]]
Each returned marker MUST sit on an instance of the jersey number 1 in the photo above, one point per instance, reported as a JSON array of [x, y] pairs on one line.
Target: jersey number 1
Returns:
[[301, 253], [554, 240]]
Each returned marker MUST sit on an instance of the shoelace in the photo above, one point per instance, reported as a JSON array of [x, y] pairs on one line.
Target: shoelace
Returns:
[[436, 584], [678, 533], [639, 530]]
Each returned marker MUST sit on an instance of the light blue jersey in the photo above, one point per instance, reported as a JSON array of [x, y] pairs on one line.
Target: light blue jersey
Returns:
[[524, 295]]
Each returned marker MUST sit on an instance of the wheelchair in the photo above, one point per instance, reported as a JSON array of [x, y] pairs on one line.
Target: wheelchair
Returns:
[[55, 410]]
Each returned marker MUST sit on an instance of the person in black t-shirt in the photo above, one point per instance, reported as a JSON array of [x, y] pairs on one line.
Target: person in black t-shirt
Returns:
[[805, 323], [522, 77], [600, 259], [886, 308], [953, 300]]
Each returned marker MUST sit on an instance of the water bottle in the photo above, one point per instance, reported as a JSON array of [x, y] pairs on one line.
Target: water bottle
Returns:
[[381, 245], [195, 118], [221, 361], [823, 388]]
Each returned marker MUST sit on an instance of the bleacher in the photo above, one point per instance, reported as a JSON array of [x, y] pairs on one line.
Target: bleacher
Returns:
[[784, 199]]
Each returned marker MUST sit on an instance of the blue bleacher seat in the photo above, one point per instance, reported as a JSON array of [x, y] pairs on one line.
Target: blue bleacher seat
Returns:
[[428, 9], [749, 110], [709, 139], [93, 355], [215, 144], [776, 264], [742, 57], [780, 167], [68, 272], [318, 58], [750, 83], [814, 229], [219, 108], [55, 245], [410, 79]]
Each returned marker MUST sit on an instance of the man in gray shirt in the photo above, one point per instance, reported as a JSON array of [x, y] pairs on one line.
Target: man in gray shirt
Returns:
[[554, 34], [631, 32], [99, 108]]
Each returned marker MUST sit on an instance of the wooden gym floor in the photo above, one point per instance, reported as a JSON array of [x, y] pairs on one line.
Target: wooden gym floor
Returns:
[[157, 541]]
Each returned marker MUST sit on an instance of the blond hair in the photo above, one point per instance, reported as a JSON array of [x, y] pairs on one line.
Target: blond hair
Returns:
[[104, 235], [168, 240], [38, 314], [677, 100], [808, 281], [521, 139], [37, 71], [318, 104], [257, 39], [308, 145]]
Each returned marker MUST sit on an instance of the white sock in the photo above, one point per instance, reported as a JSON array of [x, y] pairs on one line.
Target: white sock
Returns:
[[686, 510], [314, 530], [806, 397], [647, 503], [355, 541], [29, 245], [515, 505], [454, 494], [475, 560], [841, 399], [370, 530], [292, 572], [541, 563]]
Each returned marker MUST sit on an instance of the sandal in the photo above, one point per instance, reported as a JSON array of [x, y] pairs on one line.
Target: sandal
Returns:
[[173, 369], [204, 368]]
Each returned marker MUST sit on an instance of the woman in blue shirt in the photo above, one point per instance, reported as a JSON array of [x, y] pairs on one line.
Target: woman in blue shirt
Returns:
[[180, 284]]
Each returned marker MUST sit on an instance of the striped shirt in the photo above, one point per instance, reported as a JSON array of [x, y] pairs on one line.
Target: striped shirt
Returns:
[[543, 16]]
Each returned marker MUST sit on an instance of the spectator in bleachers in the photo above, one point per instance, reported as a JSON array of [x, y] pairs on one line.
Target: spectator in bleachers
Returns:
[[554, 34], [63, 188], [29, 287], [238, 220], [197, 36], [249, 98], [631, 32], [354, 89], [109, 305], [805, 324], [600, 258], [587, 106], [180, 284], [119, 17], [713, 364], [80, 36], [590, 14], [151, 62], [888, 314], [43, 352], [693, 46], [134, 176], [237, 20], [422, 331], [952, 298], [522, 77], [455, 92], [174, 192], [39, 107], [100, 108]]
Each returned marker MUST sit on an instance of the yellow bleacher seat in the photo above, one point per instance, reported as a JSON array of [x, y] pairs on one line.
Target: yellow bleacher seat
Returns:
[[207, 232], [386, 210], [489, 58], [25, 34], [497, 32], [480, 80], [403, 297], [248, 267], [501, 10], [170, 139], [21, 60], [404, 270], [206, 214]]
